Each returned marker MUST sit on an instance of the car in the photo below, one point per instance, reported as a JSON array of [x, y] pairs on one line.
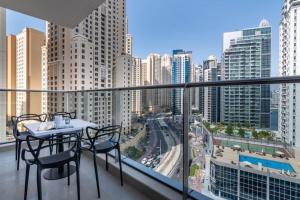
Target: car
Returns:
[[144, 160], [148, 164]]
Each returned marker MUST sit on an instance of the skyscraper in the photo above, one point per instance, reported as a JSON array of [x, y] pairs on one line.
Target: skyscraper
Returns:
[[86, 58], [211, 72], [11, 75], [153, 77], [166, 78], [122, 99], [29, 70], [181, 69], [136, 80], [122, 78], [247, 55], [3, 73], [289, 65]]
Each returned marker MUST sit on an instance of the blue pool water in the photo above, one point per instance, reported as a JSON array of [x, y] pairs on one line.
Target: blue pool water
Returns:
[[267, 163]]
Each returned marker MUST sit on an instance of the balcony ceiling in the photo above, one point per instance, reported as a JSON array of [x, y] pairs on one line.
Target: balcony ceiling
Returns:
[[67, 13]]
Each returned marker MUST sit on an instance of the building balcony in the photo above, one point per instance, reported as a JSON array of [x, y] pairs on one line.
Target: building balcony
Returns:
[[164, 155]]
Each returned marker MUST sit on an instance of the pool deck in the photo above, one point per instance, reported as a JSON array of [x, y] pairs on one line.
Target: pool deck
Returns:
[[230, 155]]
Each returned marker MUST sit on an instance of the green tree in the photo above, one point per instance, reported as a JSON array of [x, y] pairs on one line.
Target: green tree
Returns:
[[247, 125], [207, 126], [255, 135], [265, 135], [194, 168], [229, 130], [241, 132]]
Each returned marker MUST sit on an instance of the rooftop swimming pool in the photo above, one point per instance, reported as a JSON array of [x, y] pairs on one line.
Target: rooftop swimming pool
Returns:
[[267, 163]]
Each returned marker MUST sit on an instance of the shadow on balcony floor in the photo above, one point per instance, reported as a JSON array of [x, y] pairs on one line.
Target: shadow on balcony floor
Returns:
[[12, 183]]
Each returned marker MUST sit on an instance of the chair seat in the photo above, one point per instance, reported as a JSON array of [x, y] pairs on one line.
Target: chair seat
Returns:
[[104, 147], [57, 159]]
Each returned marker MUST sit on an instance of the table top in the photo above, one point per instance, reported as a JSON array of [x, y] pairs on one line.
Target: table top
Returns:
[[77, 125]]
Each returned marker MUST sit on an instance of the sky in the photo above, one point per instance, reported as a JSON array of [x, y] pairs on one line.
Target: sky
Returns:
[[159, 26]]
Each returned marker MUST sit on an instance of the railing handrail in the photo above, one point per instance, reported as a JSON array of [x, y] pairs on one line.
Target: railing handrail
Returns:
[[241, 82]]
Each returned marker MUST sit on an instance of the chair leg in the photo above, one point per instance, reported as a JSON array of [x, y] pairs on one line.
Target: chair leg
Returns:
[[19, 153], [78, 180], [68, 165], [39, 183], [26, 181], [17, 149], [120, 165], [106, 160], [96, 174], [50, 145]]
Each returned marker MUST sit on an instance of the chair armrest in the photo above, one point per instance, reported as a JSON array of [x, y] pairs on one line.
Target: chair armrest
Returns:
[[24, 158]]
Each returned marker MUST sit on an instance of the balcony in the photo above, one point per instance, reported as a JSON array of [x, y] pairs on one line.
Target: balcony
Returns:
[[164, 156], [12, 182]]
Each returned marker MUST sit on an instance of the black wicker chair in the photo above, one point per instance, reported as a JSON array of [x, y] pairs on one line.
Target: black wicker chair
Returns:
[[60, 159], [20, 135], [71, 115], [103, 140]]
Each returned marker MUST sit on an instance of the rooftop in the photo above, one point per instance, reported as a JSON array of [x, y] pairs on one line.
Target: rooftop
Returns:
[[231, 155]]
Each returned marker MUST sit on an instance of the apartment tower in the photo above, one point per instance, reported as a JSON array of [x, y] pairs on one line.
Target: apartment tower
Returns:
[[166, 78], [153, 77], [11, 75], [211, 73], [28, 70], [85, 58], [181, 73], [136, 80], [247, 55], [289, 65]]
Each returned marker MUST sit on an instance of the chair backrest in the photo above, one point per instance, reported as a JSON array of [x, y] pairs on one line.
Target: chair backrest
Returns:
[[36, 145], [111, 133], [71, 115], [18, 121]]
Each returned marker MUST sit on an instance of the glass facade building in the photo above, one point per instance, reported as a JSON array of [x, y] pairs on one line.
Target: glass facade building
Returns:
[[181, 73], [234, 182], [247, 55]]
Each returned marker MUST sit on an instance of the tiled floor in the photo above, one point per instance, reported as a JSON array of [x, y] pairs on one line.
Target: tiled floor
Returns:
[[12, 183]]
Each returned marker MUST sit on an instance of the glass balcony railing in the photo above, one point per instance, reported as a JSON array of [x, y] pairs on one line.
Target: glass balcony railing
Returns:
[[225, 139]]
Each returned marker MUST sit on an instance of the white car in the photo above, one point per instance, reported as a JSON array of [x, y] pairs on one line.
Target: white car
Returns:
[[144, 161]]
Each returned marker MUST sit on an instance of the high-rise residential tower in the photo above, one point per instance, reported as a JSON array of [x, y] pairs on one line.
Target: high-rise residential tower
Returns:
[[181, 73], [153, 77], [28, 50], [136, 80], [166, 78], [3, 73], [86, 58], [289, 65], [211, 94], [247, 55], [122, 99], [11, 75]]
